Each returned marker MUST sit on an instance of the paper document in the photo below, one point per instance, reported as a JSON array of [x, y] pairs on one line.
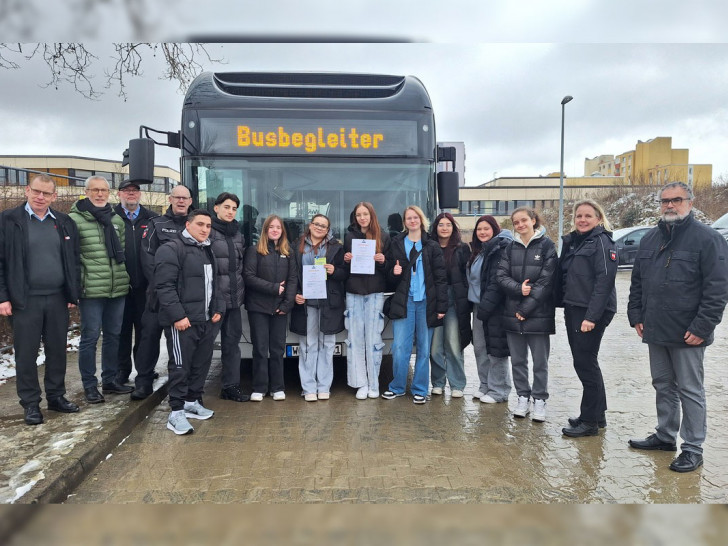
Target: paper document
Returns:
[[314, 282], [362, 261]]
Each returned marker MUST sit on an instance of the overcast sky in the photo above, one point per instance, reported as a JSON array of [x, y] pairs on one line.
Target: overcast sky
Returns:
[[502, 100]]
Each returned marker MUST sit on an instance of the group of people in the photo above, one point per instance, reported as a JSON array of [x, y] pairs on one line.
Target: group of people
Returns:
[[187, 273]]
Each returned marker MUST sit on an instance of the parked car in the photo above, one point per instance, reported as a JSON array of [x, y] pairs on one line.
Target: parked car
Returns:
[[721, 224], [628, 242]]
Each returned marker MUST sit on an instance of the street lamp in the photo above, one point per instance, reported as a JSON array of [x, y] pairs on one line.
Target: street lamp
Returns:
[[567, 98]]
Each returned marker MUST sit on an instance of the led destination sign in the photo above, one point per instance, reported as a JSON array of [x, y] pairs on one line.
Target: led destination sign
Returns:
[[308, 137]]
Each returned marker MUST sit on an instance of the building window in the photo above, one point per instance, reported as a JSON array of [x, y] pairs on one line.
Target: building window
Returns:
[[78, 173], [3, 177], [160, 184]]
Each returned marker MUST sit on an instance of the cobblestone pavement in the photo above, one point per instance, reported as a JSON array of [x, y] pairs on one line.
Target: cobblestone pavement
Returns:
[[446, 451]]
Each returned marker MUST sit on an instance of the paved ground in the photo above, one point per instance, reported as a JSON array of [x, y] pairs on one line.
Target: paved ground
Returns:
[[375, 451]]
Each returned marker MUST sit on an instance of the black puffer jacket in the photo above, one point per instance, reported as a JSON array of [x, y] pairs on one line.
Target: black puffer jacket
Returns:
[[332, 308], [133, 231], [458, 281], [679, 283], [435, 279], [179, 277], [366, 284], [492, 298], [227, 242], [536, 262], [587, 270], [263, 275]]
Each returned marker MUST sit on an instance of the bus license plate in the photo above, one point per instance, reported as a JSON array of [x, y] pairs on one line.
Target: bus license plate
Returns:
[[292, 350]]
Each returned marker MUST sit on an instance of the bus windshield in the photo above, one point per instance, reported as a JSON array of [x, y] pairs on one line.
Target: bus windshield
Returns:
[[296, 190]]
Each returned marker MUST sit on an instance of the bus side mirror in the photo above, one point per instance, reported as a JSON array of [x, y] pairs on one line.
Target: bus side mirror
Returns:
[[140, 158], [448, 190]]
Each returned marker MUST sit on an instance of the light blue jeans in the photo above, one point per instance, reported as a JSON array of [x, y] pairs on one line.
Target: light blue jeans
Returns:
[[97, 315], [405, 330], [446, 357], [316, 355], [493, 371], [364, 324]]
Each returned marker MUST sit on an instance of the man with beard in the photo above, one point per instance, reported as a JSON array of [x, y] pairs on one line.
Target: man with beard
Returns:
[[160, 230], [676, 299], [104, 286]]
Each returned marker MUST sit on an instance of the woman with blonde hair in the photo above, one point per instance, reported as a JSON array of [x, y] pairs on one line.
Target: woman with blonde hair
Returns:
[[364, 301], [588, 268], [270, 281], [415, 266]]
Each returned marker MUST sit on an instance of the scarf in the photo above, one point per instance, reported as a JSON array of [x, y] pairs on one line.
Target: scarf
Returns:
[[103, 216], [228, 229]]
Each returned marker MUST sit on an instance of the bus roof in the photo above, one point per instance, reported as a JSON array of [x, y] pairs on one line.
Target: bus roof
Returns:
[[307, 90]]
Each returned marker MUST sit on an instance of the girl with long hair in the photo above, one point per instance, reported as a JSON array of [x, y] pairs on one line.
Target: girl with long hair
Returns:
[[416, 268], [318, 321], [270, 280], [526, 276], [364, 301], [448, 341]]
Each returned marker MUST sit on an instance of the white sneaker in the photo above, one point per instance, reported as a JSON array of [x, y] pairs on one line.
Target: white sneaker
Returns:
[[373, 394], [256, 397], [479, 395], [523, 408], [456, 393], [436, 390], [488, 399], [310, 397], [178, 423], [324, 395], [195, 410], [539, 411], [279, 395], [361, 393]]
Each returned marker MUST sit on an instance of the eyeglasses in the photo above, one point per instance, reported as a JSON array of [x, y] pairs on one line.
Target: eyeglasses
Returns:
[[98, 190], [180, 197], [441, 224], [131, 190], [675, 201], [320, 226], [38, 193]]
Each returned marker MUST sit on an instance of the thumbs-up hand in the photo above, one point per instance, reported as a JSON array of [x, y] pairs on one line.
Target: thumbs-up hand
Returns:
[[397, 269]]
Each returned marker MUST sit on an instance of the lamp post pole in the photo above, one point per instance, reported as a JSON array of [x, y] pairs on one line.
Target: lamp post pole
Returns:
[[566, 99]]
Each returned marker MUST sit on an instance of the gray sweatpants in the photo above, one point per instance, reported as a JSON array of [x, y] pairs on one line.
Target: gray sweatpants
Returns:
[[540, 345]]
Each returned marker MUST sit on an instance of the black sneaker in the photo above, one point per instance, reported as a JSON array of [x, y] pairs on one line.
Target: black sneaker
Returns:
[[389, 395], [576, 421], [419, 399], [234, 393]]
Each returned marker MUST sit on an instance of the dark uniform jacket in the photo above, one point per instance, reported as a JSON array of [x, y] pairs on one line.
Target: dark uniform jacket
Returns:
[[263, 275], [679, 283], [229, 252], [366, 284], [133, 231], [492, 298], [332, 308], [179, 278], [14, 249], [536, 262], [435, 279], [587, 270], [457, 279]]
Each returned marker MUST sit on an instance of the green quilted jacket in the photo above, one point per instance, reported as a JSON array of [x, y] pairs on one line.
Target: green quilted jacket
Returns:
[[101, 277]]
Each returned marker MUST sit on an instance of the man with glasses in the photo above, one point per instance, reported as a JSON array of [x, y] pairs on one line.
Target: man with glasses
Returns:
[[160, 230], [678, 293], [39, 281], [136, 218], [104, 286]]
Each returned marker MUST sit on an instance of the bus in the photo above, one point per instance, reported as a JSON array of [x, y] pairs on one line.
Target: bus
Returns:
[[299, 144]]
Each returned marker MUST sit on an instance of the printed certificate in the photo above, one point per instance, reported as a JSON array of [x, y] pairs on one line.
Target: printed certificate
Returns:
[[362, 261]]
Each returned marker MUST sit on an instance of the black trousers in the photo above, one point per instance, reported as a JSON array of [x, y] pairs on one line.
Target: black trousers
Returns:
[[148, 353], [231, 330], [192, 350], [46, 318], [585, 351], [268, 335], [132, 323]]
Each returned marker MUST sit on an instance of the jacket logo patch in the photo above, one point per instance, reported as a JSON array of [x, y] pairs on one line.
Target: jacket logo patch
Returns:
[[144, 235], [613, 255], [167, 230], [537, 257]]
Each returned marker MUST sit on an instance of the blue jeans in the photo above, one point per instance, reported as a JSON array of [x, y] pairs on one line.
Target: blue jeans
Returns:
[[405, 329], [364, 324], [97, 315], [316, 355], [446, 356]]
